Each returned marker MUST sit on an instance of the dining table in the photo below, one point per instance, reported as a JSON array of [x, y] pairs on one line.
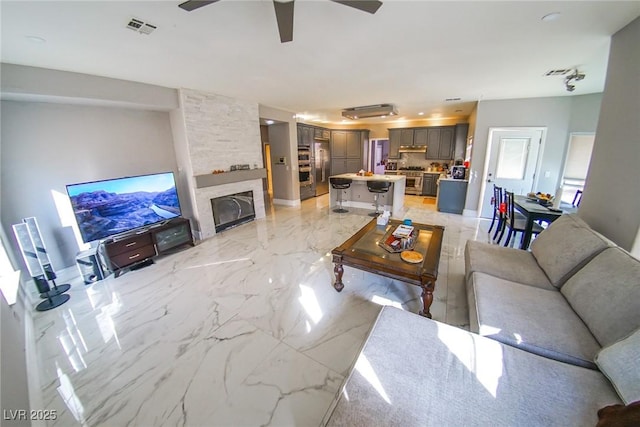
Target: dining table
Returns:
[[534, 211]]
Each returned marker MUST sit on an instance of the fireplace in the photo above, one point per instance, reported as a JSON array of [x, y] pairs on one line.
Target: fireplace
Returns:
[[232, 210]]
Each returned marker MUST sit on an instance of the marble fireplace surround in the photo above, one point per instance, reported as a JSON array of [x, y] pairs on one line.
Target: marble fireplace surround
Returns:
[[204, 196], [215, 132]]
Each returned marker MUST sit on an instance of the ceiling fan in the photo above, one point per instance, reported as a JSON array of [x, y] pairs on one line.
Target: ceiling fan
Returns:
[[284, 12]]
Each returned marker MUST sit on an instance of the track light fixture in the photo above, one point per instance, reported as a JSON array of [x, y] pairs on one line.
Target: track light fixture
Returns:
[[576, 76]]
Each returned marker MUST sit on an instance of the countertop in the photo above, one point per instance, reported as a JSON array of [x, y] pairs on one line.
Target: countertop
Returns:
[[374, 177], [392, 172], [454, 180]]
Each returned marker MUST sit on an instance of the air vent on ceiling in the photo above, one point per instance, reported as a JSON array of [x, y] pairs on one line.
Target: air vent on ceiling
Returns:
[[558, 72], [140, 26], [367, 111], [452, 99]]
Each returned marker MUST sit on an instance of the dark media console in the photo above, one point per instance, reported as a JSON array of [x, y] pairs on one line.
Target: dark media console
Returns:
[[139, 249]]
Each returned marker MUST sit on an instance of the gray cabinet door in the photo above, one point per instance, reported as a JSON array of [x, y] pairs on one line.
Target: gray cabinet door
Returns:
[[429, 184], [446, 143], [394, 143], [338, 166], [354, 145], [420, 137], [459, 151], [433, 143], [406, 137], [338, 143], [353, 165]]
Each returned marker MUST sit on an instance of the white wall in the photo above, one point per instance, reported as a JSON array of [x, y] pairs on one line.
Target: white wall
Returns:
[[47, 146], [611, 198], [284, 142], [559, 115]]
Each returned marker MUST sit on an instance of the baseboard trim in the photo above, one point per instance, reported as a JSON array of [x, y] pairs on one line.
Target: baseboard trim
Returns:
[[285, 202]]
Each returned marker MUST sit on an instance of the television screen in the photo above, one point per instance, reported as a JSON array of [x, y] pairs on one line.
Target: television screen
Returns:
[[114, 206]]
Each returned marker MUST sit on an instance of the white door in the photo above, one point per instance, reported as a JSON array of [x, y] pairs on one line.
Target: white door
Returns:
[[512, 162]]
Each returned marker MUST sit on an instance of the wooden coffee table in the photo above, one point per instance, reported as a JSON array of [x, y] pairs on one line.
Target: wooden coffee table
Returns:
[[362, 251]]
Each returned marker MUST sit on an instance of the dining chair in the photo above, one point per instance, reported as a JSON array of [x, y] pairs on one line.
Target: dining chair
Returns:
[[515, 221], [577, 198], [497, 214]]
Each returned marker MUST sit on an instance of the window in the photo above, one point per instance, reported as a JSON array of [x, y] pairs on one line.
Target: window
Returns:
[[512, 158]]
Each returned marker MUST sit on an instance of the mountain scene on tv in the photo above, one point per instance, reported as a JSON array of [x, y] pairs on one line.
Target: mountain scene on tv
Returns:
[[101, 213]]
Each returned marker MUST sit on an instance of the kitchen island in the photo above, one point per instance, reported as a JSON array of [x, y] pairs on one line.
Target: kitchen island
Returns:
[[451, 195], [358, 196]]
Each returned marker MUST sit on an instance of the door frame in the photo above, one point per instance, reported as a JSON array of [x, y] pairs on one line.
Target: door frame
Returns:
[[487, 157]]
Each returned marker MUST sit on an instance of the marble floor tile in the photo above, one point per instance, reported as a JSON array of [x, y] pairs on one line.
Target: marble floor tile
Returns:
[[245, 328]]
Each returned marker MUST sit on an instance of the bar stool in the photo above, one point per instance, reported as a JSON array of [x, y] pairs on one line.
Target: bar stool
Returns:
[[340, 184], [377, 188]]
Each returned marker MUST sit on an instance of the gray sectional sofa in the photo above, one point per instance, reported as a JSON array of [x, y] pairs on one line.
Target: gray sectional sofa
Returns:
[[555, 336]]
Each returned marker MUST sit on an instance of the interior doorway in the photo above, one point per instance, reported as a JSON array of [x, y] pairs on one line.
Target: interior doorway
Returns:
[[266, 158], [512, 162], [378, 155]]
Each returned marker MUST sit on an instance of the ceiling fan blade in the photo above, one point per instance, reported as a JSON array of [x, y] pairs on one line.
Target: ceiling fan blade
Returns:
[[370, 6], [284, 16], [194, 4]]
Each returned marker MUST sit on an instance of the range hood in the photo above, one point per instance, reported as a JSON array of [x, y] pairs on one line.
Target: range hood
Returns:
[[412, 149], [367, 111]]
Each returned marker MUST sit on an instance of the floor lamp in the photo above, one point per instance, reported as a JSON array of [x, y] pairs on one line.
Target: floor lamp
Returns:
[[37, 272], [43, 257]]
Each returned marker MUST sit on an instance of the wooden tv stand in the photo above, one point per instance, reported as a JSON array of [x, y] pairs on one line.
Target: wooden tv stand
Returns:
[[139, 248]]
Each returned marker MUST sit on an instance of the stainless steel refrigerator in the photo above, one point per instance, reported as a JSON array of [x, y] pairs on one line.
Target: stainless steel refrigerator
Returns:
[[321, 166]]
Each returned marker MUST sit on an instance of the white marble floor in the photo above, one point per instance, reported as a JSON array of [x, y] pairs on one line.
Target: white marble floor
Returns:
[[243, 329]]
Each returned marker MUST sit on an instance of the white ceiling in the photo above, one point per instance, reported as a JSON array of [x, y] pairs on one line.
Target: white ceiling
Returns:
[[414, 54]]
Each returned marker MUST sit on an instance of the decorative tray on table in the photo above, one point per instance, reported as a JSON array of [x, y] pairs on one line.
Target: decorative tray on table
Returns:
[[399, 238]]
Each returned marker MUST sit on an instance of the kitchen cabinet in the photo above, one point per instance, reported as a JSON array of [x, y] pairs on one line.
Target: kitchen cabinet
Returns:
[[440, 143], [308, 134], [395, 136], [305, 135], [346, 151], [420, 136], [430, 184], [459, 151], [406, 136]]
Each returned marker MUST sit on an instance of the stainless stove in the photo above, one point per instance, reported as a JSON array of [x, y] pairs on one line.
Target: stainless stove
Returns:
[[413, 179]]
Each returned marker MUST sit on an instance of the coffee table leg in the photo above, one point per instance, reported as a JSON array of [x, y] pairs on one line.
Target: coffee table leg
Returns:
[[427, 296], [338, 270]]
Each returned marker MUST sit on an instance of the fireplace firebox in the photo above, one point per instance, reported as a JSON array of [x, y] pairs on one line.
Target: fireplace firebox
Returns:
[[232, 210]]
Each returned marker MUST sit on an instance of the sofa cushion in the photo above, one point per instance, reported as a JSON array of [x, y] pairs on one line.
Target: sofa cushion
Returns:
[[506, 263], [620, 362], [536, 320], [414, 371], [606, 295], [565, 246]]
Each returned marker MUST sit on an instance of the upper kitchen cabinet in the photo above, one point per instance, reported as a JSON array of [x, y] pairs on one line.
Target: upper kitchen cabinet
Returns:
[[305, 135], [308, 134], [347, 147], [338, 143], [406, 137], [395, 136], [440, 143], [322, 134], [462, 129], [421, 136]]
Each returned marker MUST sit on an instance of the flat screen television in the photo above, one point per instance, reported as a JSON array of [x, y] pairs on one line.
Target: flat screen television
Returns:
[[116, 206]]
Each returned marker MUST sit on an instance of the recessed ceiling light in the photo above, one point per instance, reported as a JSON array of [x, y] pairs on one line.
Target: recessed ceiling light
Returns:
[[551, 16], [421, 113], [269, 122], [35, 39]]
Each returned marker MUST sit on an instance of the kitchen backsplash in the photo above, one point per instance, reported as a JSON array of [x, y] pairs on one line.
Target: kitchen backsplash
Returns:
[[417, 159]]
